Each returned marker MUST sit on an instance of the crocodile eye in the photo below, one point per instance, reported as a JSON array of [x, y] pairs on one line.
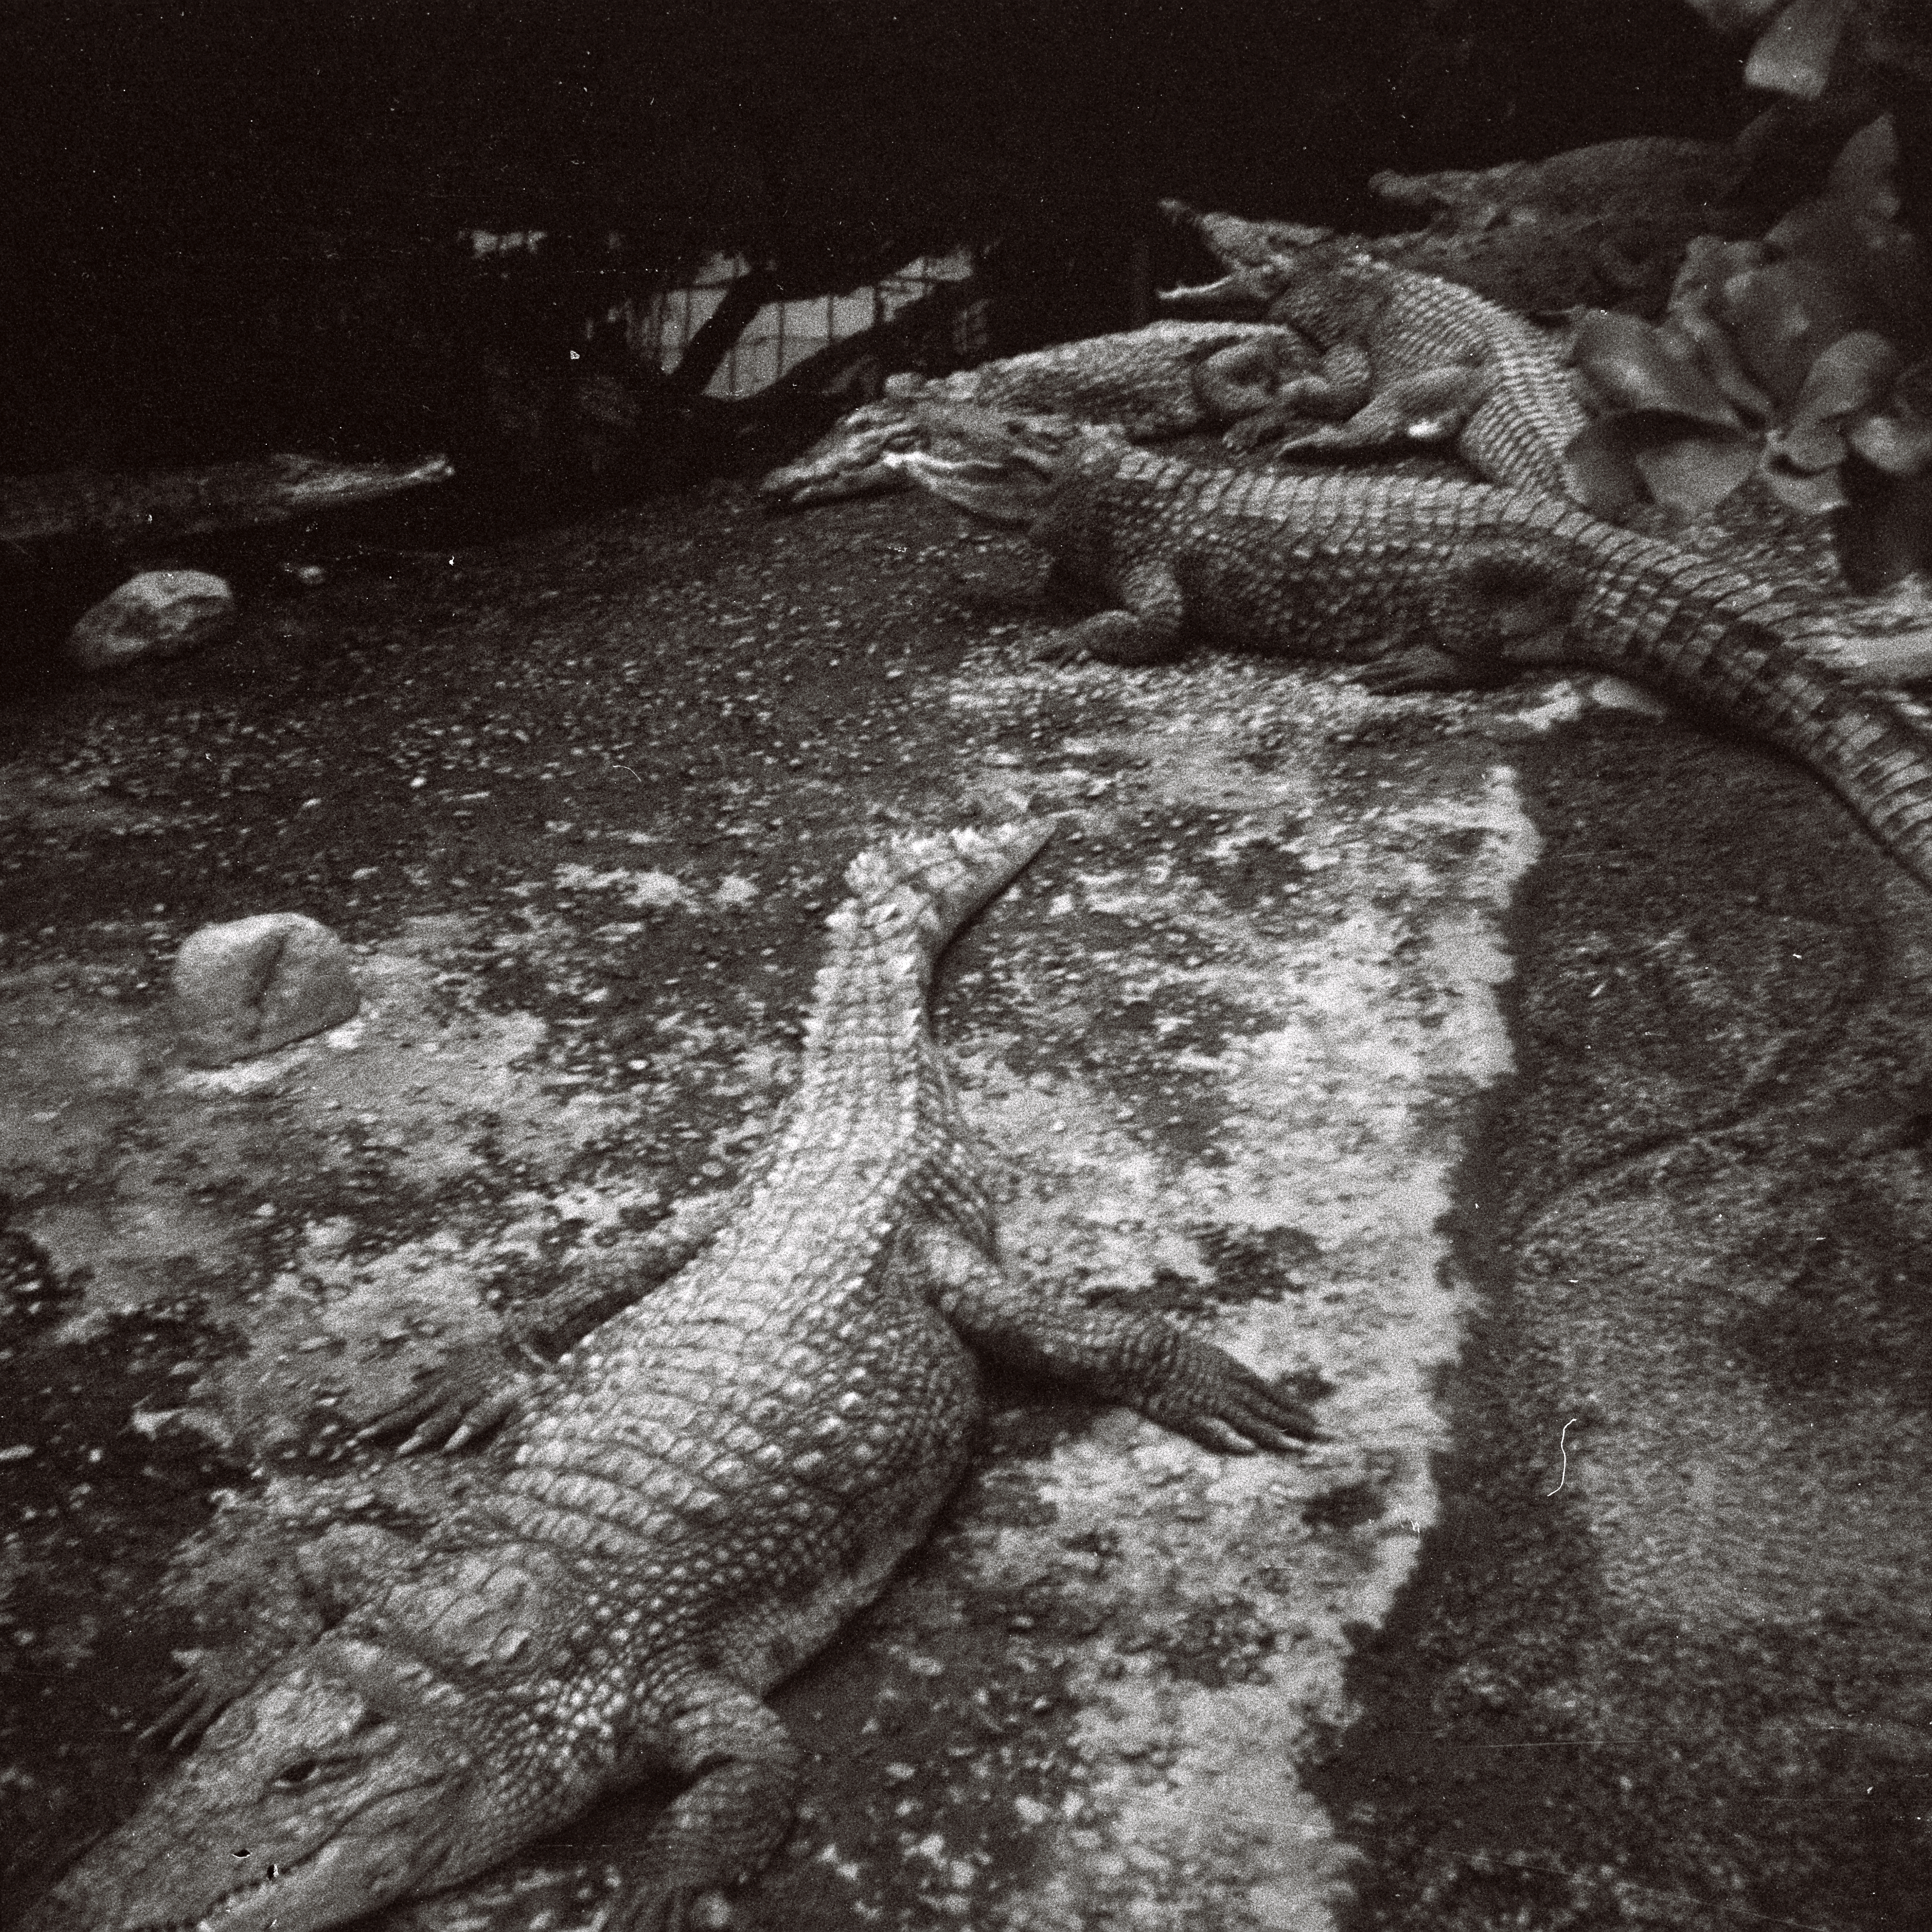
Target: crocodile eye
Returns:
[[301, 1772]]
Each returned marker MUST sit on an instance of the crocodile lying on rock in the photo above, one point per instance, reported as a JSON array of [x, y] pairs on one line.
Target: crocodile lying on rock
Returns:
[[1168, 379], [1435, 583], [159, 505], [1601, 227], [1406, 358], [687, 1507]]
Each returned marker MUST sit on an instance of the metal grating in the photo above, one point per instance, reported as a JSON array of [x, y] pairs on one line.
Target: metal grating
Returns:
[[783, 334]]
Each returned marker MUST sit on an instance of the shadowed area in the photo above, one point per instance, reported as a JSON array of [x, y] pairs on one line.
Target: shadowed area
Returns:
[[1685, 1688]]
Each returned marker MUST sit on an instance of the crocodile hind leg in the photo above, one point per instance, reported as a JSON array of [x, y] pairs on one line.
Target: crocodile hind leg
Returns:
[[1147, 630], [1245, 379], [1431, 407], [1343, 388], [726, 1824], [1508, 608], [1177, 1379]]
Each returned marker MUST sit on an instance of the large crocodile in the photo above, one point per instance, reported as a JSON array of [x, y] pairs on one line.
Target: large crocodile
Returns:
[[1407, 358], [158, 505], [1168, 379], [703, 1490], [1432, 583]]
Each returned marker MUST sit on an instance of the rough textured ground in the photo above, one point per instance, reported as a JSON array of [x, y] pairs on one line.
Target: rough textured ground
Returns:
[[1242, 1046]]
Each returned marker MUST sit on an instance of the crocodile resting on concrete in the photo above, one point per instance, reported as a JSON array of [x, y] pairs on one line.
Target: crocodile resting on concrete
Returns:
[[1448, 584], [1407, 358], [1168, 379], [158, 505], [703, 1490]]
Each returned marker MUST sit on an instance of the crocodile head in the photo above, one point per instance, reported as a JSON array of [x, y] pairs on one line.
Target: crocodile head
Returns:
[[348, 1778], [996, 465], [849, 460], [1322, 284], [1237, 243]]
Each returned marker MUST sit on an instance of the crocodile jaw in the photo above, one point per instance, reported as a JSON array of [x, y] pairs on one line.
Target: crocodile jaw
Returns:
[[851, 460], [1242, 295], [989, 490]]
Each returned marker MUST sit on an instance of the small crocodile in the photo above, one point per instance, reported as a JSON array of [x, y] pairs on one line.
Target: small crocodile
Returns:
[[689, 1505], [1435, 583], [160, 505], [1168, 379], [1407, 358]]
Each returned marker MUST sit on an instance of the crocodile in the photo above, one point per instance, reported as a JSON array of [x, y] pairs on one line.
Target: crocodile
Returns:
[[158, 505], [1430, 583], [1600, 227], [1406, 358], [688, 1504], [1169, 379]]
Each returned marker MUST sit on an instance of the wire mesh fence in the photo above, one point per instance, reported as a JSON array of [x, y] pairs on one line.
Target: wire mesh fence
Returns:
[[783, 334]]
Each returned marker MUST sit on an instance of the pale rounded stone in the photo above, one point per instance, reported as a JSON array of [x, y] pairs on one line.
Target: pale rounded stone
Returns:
[[244, 988], [159, 614]]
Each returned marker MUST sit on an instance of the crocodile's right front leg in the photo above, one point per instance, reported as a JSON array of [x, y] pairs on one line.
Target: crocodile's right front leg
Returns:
[[1147, 630], [1177, 1379]]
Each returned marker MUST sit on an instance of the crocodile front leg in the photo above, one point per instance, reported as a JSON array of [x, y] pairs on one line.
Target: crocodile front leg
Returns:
[[1246, 378], [1429, 407], [1177, 1379], [1147, 630], [479, 1384], [727, 1823], [293, 1594], [1342, 388]]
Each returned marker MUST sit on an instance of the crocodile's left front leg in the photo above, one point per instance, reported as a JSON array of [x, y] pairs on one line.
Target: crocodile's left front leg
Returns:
[[1508, 611], [1430, 407], [1245, 379], [1171, 1377], [1147, 630]]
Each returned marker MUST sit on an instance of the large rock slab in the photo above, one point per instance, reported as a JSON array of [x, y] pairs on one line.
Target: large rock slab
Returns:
[[245, 988], [158, 614]]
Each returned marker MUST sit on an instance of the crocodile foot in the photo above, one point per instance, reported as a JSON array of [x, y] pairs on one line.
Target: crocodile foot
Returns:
[[476, 1391]]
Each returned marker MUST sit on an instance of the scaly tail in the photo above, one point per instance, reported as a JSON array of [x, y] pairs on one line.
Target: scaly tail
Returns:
[[913, 894]]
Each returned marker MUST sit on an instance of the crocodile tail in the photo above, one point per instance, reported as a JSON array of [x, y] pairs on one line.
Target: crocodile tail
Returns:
[[918, 890]]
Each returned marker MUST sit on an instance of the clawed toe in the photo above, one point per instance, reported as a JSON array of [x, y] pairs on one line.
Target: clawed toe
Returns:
[[1057, 651], [185, 1719]]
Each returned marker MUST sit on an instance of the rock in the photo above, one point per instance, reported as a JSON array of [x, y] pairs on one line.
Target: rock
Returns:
[[244, 988], [159, 614]]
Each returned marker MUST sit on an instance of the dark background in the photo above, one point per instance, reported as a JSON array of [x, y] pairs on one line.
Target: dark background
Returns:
[[234, 225]]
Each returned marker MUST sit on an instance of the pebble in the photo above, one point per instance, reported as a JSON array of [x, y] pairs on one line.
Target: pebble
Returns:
[[159, 614], [244, 988]]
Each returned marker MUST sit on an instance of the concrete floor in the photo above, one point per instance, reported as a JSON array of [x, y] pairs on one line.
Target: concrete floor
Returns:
[[1605, 1606]]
